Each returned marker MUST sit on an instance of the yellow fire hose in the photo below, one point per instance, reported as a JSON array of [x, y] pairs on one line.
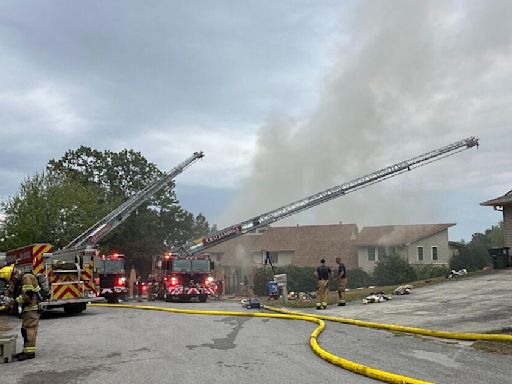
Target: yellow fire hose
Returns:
[[400, 328], [360, 369]]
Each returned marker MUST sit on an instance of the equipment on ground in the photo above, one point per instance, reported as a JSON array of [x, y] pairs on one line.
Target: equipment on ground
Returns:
[[69, 271], [183, 278], [111, 277]]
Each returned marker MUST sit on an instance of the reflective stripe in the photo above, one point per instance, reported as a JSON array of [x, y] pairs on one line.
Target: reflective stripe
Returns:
[[29, 349], [30, 287], [34, 307], [19, 299]]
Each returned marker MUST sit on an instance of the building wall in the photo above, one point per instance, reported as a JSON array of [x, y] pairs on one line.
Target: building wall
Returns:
[[440, 240], [507, 223], [367, 265], [410, 252]]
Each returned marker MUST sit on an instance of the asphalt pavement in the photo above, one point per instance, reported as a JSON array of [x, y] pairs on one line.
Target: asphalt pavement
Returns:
[[113, 345]]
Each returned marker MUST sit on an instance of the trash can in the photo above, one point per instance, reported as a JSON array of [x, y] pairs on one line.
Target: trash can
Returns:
[[500, 257]]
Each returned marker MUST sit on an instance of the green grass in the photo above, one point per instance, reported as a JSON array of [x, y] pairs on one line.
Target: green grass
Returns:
[[502, 348]]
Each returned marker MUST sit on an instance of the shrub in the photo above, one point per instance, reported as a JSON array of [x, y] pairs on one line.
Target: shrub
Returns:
[[358, 278], [300, 279], [394, 270], [473, 257], [428, 271]]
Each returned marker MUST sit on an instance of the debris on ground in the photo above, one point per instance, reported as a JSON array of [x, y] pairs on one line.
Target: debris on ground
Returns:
[[376, 297], [403, 290], [459, 273]]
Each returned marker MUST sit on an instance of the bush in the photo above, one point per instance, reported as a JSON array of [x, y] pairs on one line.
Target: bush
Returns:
[[473, 258], [358, 278], [394, 270], [429, 271]]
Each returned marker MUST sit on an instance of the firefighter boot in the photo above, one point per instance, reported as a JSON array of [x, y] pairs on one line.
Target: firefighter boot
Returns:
[[341, 303], [318, 306], [324, 305], [25, 356]]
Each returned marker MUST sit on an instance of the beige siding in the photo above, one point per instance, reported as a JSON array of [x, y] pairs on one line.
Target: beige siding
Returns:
[[439, 240], [507, 221], [369, 266]]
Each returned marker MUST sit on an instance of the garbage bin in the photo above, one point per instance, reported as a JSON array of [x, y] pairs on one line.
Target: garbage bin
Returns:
[[500, 257]]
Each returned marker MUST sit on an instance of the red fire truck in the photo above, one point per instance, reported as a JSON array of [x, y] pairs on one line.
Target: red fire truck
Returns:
[[111, 277], [65, 283], [184, 277]]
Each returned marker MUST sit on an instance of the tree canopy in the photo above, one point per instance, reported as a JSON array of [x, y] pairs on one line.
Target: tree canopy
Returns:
[[83, 186]]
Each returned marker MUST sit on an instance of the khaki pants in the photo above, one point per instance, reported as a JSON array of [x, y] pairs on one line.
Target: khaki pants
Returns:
[[29, 330], [321, 294], [342, 284]]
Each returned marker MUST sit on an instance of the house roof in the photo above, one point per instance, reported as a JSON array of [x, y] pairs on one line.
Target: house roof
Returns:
[[396, 235], [310, 243], [499, 201]]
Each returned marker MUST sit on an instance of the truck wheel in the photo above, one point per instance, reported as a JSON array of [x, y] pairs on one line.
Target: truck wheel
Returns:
[[202, 298], [71, 309], [112, 300]]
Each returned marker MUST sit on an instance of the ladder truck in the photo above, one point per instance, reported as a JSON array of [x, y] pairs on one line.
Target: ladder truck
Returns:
[[268, 218], [67, 274]]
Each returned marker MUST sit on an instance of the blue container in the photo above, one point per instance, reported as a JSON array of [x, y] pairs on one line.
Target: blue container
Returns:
[[272, 289]]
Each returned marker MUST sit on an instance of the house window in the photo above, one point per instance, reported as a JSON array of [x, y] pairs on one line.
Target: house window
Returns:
[[371, 254], [434, 253], [274, 257], [420, 253]]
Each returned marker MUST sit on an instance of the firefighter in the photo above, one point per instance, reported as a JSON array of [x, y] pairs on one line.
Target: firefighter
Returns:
[[153, 288], [342, 281], [29, 299], [322, 273], [138, 288]]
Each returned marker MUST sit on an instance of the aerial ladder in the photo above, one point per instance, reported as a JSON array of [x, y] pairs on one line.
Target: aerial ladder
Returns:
[[99, 230], [67, 274], [268, 218]]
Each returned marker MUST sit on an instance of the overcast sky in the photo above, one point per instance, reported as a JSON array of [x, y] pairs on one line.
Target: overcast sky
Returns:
[[286, 98]]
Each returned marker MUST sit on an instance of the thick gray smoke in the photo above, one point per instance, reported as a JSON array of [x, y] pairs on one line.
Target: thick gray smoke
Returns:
[[409, 77]]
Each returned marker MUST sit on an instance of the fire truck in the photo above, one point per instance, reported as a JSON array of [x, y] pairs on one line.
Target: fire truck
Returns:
[[233, 231], [182, 278], [67, 284], [67, 274], [111, 277]]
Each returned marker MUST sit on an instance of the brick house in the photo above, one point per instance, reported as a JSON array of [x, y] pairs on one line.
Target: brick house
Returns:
[[504, 204], [237, 259], [418, 244]]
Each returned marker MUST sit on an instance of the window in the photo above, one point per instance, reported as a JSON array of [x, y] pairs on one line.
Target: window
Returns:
[[420, 253], [434, 253], [371, 254], [272, 257]]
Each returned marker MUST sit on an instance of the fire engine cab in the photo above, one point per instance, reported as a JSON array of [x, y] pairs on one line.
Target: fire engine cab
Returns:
[[184, 277], [111, 275]]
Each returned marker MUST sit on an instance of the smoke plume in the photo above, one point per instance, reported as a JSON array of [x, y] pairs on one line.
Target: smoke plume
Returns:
[[409, 77]]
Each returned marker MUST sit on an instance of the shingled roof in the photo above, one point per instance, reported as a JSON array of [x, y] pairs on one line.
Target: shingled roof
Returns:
[[396, 235], [499, 201], [310, 243]]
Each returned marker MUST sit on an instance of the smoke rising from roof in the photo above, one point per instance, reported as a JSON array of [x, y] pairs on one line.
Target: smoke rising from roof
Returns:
[[409, 77]]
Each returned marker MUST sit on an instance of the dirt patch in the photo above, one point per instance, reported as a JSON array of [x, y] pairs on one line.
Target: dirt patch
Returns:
[[502, 348]]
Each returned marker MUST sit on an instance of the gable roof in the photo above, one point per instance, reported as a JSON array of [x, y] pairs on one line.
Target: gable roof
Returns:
[[499, 201], [396, 235], [309, 242]]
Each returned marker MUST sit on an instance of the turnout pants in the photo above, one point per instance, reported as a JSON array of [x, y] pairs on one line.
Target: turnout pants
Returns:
[[29, 330], [321, 295], [342, 284]]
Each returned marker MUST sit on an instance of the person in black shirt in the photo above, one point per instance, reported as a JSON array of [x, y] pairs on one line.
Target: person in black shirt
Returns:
[[342, 281], [322, 273]]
